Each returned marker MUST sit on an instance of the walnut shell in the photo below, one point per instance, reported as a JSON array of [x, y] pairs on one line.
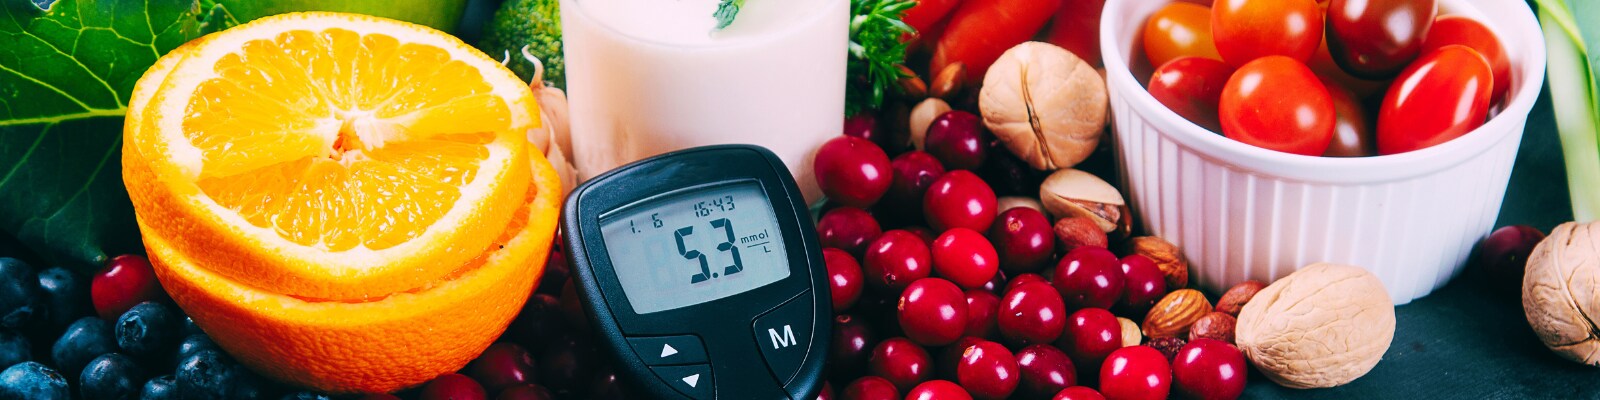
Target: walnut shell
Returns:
[[1561, 291], [1047, 105], [1322, 326]]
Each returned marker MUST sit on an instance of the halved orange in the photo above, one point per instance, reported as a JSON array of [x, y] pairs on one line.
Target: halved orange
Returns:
[[358, 156]]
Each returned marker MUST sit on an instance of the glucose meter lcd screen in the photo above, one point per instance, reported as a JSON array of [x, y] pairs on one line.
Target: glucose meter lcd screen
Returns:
[[695, 247]]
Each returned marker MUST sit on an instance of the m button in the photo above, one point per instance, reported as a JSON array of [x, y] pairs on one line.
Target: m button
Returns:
[[784, 336]]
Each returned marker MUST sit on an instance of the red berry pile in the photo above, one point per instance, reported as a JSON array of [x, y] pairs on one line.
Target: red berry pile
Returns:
[[918, 260]]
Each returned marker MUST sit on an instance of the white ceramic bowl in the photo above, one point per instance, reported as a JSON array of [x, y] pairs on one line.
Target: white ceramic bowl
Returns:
[[1242, 212]]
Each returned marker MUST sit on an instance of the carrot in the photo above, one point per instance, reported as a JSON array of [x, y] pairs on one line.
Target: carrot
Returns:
[[980, 30]]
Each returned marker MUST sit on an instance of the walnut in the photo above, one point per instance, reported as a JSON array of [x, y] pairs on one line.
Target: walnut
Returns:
[[1047, 105], [1561, 291], [1322, 326]]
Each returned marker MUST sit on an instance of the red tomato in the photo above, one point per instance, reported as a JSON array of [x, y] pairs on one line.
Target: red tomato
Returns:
[[1276, 103], [1249, 29], [980, 30], [1077, 29], [1441, 96], [1192, 87], [1456, 29], [1352, 131], [1322, 63], [1179, 30], [1374, 39]]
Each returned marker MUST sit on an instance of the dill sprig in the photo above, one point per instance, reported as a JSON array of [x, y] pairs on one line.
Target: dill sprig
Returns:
[[877, 50]]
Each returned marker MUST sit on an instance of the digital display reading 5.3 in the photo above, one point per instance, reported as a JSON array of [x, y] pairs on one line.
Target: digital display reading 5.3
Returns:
[[695, 247]]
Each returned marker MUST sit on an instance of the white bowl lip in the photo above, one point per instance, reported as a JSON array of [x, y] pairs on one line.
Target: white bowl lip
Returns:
[[1530, 67]]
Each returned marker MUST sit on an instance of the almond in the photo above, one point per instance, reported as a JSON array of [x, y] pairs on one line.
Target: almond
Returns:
[[1234, 299], [1214, 325], [1166, 255], [1172, 316]]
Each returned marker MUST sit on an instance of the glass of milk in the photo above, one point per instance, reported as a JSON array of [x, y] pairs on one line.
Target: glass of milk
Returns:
[[645, 77]]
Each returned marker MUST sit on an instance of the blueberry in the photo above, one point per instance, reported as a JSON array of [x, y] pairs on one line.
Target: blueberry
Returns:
[[194, 343], [33, 381], [14, 348], [85, 339], [163, 387], [112, 376], [306, 396], [19, 294], [147, 329], [189, 328], [66, 297], [206, 374], [248, 386]]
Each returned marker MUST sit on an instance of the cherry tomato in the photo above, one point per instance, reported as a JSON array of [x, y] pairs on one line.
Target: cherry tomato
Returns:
[[1249, 29], [1322, 63], [1076, 28], [1277, 103], [1192, 87], [1374, 39], [1441, 96], [1179, 30], [1456, 29], [1352, 131]]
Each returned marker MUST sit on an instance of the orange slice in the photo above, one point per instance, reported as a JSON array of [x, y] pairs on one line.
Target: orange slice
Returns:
[[329, 156]]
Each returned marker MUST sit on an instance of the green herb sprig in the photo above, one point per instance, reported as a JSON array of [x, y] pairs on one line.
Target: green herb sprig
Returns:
[[727, 11], [877, 49]]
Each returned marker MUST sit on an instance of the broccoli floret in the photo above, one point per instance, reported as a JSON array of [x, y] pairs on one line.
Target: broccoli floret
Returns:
[[532, 23]]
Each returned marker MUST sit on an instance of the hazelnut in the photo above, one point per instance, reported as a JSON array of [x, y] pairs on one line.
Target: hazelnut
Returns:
[[911, 85], [1130, 332], [1166, 255], [949, 82], [1234, 299], [1168, 346], [1322, 326], [1559, 291], [1009, 202], [922, 117], [1175, 312], [1214, 325], [1074, 193], [1075, 232], [1048, 106]]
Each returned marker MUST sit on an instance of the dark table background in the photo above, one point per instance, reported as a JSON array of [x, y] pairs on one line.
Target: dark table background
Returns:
[[1463, 341]]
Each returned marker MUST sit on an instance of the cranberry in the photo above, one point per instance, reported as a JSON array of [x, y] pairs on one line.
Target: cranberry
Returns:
[[540, 321], [981, 308], [958, 139], [1032, 313], [988, 370], [864, 125], [1135, 373], [452, 387], [1144, 284], [523, 392], [938, 390], [950, 356], [566, 363], [1021, 279], [959, 199], [607, 386], [870, 388], [903, 363], [933, 312], [1024, 238], [1503, 256], [1078, 393], [556, 272], [1210, 370], [502, 365], [127, 280], [964, 257], [914, 172], [1089, 277], [1045, 370], [852, 343], [1008, 174], [995, 284], [852, 171], [1091, 335], [848, 228], [827, 392], [895, 260], [844, 278]]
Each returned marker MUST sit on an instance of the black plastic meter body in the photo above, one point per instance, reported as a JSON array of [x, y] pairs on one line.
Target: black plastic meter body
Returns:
[[703, 275]]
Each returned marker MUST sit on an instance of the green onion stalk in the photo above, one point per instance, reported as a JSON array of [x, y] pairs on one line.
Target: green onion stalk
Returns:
[[1568, 28]]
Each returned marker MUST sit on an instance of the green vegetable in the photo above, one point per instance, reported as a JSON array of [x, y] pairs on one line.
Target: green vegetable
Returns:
[[528, 28], [726, 12], [443, 15], [66, 70], [1575, 95], [876, 52]]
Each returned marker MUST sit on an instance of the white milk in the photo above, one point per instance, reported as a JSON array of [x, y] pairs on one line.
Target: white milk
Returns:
[[645, 77]]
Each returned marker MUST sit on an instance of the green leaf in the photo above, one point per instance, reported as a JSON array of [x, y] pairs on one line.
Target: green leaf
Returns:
[[66, 72]]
